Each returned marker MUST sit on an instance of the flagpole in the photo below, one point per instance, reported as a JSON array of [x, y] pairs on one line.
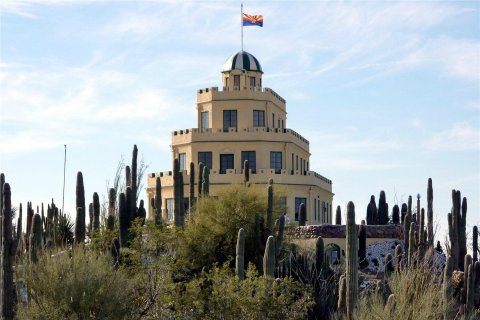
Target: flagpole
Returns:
[[241, 22], [64, 165]]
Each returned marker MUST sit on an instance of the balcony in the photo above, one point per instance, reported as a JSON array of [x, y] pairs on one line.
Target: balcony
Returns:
[[187, 136]]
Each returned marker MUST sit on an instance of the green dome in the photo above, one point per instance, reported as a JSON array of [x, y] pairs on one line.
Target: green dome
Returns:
[[242, 60]]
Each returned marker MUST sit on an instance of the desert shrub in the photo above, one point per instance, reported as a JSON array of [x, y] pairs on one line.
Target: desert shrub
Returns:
[[418, 296], [76, 284], [211, 231], [219, 294]]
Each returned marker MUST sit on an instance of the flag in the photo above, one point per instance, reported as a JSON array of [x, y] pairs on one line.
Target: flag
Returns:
[[252, 20]]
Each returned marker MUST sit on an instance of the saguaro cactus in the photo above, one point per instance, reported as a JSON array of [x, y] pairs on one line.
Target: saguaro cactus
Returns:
[[240, 255], [406, 230], [342, 292], [338, 216], [80, 203], [36, 238], [319, 255], [398, 257], [470, 288], [270, 206], [191, 196], [362, 246], [412, 247], [475, 244], [206, 181], [382, 209], [246, 172], [430, 239], [280, 233], [388, 265], [448, 310], [302, 215], [457, 229], [115, 251], [351, 260], [372, 216], [123, 219], [111, 209], [9, 249], [177, 214], [396, 214], [200, 179], [134, 174], [403, 212], [96, 212], [128, 177], [462, 233], [269, 258], [158, 201]]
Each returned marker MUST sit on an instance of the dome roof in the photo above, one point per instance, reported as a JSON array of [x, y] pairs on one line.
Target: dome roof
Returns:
[[242, 60]]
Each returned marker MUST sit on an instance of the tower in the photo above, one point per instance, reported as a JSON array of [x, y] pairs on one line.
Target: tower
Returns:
[[244, 121]]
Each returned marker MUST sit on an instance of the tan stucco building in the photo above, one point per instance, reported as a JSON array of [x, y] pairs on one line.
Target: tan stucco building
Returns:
[[244, 121]]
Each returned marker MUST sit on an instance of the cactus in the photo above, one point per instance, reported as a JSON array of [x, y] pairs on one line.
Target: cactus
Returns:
[[269, 258], [403, 212], [280, 233], [206, 181], [80, 203], [338, 216], [396, 214], [351, 260], [36, 238], [270, 207], [302, 215], [158, 202], [240, 255], [9, 248], [342, 290], [398, 257], [362, 246], [448, 311], [115, 251], [466, 262], [412, 248], [96, 212], [382, 209], [372, 215], [476, 268], [200, 179], [430, 235], [474, 243], [191, 196], [406, 230], [181, 196], [462, 231], [123, 219], [246, 172], [128, 177], [141, 212], [90, 216], [319, 255], [391, 304], [388, 265], [469, 287], [134, 184], [421, 235], [19, 224], [111, 209]]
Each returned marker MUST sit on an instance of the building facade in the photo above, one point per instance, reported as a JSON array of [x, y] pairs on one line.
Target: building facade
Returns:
[[245, 121]]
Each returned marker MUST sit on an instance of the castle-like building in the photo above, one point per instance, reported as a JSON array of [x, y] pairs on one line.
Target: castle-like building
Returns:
[[244, 121]]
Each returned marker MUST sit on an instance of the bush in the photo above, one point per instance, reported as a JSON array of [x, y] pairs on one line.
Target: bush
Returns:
[[77, 284], [219, 294], [211, 231]]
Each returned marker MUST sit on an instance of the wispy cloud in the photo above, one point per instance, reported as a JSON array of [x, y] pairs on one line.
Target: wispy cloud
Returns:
[[461, 136]]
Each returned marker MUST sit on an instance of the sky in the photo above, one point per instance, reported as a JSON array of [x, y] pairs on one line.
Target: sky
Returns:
[[387, 93]]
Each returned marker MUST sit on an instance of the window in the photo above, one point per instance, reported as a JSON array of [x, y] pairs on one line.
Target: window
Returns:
[[296, 162], [204, 124], [229, 119], [252, 82], [182, 159], [226, 162], [206, 159], [258, 118], [279, 122], [299, 201], [315, 208], [252, 161], [236, 81], [170, 209], [293, 167], [276, 161], [273, 120]]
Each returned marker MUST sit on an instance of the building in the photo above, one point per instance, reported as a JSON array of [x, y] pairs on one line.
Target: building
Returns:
[[244, 121]]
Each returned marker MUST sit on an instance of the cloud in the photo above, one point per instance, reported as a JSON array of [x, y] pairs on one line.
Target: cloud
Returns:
[[460, 137]]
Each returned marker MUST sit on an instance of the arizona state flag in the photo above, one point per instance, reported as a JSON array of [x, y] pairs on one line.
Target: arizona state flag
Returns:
[[252, 20]]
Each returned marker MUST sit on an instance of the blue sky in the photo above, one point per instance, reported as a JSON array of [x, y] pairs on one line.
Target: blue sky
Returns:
[[386, 92]]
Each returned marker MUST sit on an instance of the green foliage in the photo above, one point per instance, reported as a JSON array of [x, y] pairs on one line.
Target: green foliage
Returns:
[[219, 294], [211, 233], [77, 285]]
